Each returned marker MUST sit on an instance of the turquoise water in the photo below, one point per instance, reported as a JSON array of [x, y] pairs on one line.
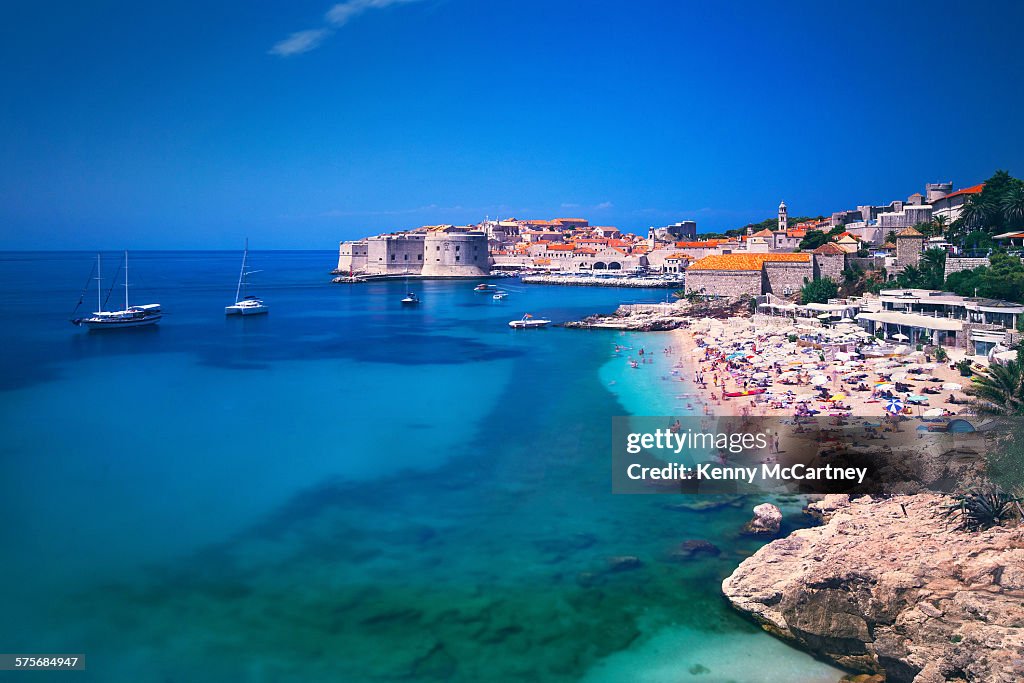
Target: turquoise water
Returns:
[[346, 490]]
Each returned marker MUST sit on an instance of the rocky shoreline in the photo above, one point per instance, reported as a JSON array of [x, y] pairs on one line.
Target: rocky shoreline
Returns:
[[888, 586], [661, 316]]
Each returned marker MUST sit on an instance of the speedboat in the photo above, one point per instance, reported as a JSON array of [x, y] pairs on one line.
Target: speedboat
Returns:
[[245, 304], [411, 300], [528, 322], [131, 316], [499, 295], [484, 287]]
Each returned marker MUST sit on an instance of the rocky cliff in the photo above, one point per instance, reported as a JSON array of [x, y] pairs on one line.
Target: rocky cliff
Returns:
[[888, 586]]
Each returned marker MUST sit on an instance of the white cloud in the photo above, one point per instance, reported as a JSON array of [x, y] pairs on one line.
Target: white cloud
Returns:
[[343, 12], [604, 205], [299, 42], [336, 17]]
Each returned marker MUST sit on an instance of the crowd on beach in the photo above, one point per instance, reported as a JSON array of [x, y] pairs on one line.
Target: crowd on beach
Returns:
[[743, 370]]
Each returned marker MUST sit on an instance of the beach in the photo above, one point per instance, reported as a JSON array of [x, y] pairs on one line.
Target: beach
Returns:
[[785, 371]]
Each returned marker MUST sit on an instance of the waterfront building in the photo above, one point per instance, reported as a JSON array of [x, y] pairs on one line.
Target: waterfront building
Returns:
[[978, 325]]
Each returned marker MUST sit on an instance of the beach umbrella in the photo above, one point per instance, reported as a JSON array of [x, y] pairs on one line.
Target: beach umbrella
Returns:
[[884, 387], [952, 386], [901, 337], [933, 412], [838, 397], [895, 406], [818, 380]]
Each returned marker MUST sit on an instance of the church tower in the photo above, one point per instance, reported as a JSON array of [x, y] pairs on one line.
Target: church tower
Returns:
[[783, 216]]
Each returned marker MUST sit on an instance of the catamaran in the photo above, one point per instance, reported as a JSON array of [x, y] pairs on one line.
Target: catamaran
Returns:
[[131, 316], [245, 304]]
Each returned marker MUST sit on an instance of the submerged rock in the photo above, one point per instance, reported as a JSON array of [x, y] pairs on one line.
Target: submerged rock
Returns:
[[767, 520], [886, 587], [690, 550], [621, 563]]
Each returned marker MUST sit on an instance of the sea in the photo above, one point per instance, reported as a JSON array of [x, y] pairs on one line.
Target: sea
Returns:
[[347, 489]]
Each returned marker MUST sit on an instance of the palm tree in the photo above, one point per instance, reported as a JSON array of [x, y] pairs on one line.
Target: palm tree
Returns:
[[975, 213], [1013, 205], [940, 223], [1000, 389]]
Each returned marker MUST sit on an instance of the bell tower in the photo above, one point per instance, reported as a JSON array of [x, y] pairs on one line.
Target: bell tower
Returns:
[[783, 216]]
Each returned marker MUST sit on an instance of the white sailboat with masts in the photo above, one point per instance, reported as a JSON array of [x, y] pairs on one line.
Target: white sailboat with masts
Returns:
[[245, 304], [131, 316]]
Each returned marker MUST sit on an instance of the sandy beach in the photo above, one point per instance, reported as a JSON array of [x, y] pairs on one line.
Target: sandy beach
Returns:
[[811, 375]]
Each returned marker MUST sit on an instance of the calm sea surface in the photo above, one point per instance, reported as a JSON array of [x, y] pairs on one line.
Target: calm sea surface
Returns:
[[344, 490]]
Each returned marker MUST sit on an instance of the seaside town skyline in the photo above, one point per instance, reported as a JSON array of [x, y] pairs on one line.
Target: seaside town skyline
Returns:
[[316, 124]]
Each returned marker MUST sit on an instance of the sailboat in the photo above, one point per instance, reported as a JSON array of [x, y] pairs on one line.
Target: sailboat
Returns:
[[131, 316], [245, 304]]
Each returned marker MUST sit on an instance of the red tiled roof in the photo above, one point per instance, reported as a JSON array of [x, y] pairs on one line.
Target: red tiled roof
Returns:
[[829, 249], [973, 189], [746, 261]]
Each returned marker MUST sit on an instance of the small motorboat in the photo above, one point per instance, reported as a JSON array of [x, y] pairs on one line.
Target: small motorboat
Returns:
[[527, 322], [499, 295], [483, 287], [411, 300]]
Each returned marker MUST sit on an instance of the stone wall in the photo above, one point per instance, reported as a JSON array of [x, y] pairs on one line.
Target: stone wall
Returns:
[[456, 255], [784, 278], [956, 265], [830, 266], [908, 251], [351, 256], [395, 254], [724, 283]]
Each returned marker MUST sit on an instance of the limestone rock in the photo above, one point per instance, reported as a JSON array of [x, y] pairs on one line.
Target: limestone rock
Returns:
[[893, 594], [767, 520]]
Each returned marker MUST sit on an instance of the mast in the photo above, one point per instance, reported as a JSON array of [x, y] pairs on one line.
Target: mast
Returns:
[[99, 286], [126, 280], [241, 273]]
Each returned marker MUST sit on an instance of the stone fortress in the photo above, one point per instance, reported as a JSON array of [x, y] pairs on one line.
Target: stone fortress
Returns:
[[440, 251]]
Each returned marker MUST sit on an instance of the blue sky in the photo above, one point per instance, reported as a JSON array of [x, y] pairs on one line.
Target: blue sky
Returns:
[[194, 124]]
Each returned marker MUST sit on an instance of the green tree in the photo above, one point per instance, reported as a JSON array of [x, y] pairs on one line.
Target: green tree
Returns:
[[999, 389], [812, 240], [1003, 278], [930, 273], [1013, 205], [977, 213], [819, 291], [999, 207]]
